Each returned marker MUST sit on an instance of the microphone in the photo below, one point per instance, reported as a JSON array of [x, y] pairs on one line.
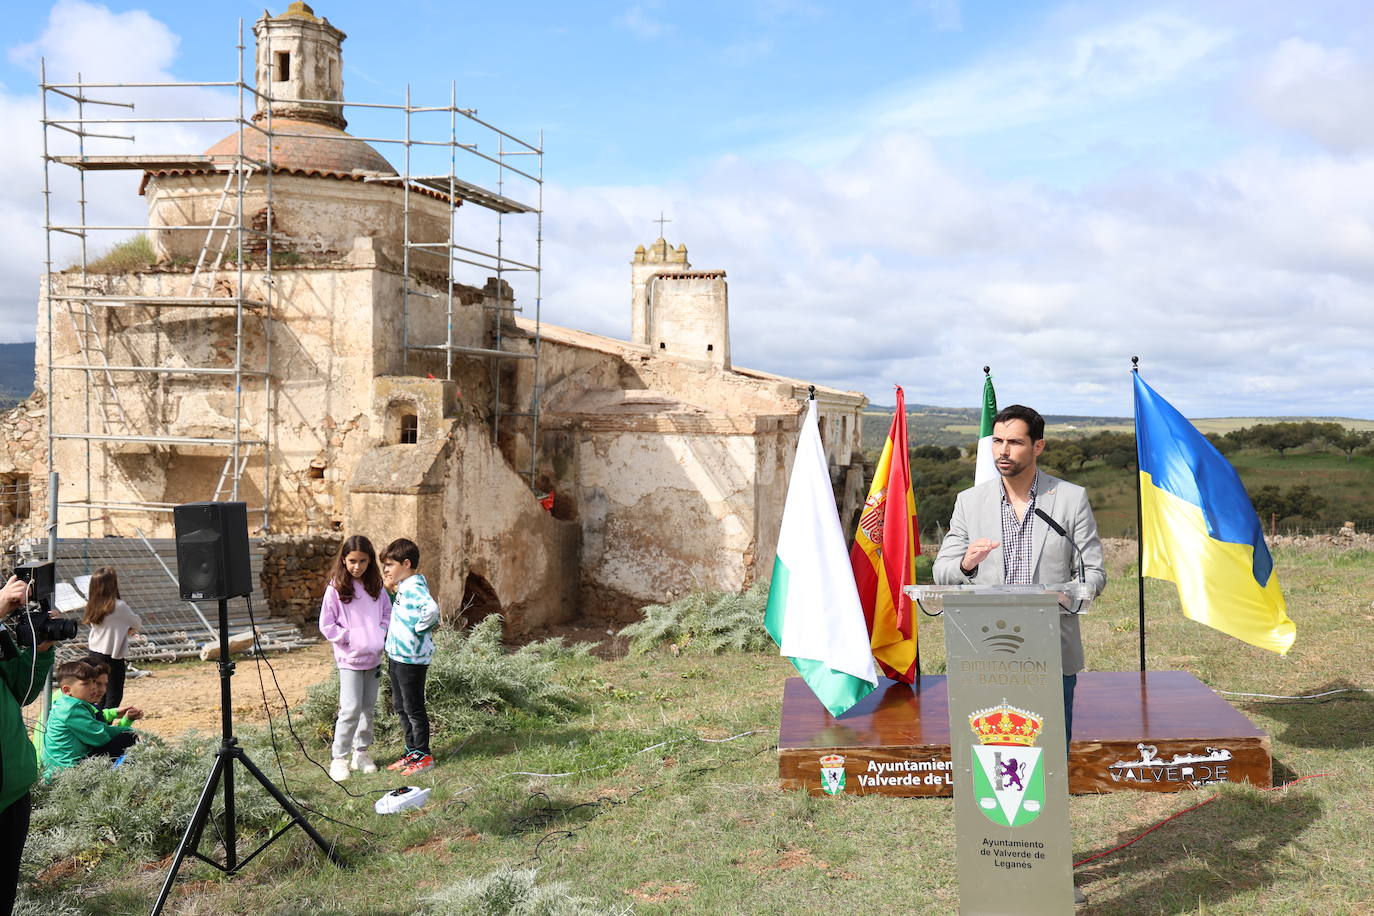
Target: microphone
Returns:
[[1059, 530]]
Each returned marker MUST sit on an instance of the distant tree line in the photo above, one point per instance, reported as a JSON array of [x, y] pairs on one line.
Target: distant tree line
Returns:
[[1273, 504], [1281, 437], [1113, 450], [939, 472]]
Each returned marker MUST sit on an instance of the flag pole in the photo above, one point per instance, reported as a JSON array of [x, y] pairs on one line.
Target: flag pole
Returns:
[[1139, 529], [915, 620]]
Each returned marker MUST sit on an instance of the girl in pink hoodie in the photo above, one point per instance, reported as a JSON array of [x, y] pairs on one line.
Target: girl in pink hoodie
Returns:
[[354, 617]]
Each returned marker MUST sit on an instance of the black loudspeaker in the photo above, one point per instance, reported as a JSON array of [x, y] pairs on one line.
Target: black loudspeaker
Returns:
[[212, 550]]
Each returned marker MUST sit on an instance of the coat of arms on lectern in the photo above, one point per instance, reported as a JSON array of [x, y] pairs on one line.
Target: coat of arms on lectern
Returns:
[[1008, 769], [832, 774]]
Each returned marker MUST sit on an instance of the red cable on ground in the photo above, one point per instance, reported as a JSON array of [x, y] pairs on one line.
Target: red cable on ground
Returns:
[[1180, 814]]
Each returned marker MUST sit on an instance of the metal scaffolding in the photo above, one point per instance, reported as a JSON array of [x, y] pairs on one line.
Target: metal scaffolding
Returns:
[[457, 190], [106, 425]]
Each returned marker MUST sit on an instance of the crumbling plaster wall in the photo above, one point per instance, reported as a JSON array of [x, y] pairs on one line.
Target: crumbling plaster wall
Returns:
[[315, 216], [664, 512], [676, 471], [775, 448], [530, 558], [454, 494], [688, 318]]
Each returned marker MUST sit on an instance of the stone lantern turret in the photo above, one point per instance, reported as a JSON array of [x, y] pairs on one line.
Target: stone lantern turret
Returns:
[[300, 59]]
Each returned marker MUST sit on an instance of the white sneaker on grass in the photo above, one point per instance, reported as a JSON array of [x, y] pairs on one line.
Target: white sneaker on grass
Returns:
[[338, 769], [363, 763]]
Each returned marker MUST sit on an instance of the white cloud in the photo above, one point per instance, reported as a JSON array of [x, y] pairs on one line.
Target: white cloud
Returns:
[[1317, 91], [643, 20], [1064, 88], [102, 46], [1244, 289], [946, 15], [1064, 76], [868, 255], [1243, 282]]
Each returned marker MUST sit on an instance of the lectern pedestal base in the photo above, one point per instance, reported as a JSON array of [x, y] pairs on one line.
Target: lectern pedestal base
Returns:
[[1157, 731]]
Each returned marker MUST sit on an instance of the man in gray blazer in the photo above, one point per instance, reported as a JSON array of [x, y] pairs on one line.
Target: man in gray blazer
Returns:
[[995, 536]]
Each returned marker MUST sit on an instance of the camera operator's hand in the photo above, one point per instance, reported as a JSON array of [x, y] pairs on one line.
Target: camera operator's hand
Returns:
[[13, 596]]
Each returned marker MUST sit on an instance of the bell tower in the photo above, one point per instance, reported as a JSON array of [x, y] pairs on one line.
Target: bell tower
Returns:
[[299, 59], [660, 257]]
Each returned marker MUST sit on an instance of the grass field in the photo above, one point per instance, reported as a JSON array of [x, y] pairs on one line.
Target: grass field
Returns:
[[659, 795]]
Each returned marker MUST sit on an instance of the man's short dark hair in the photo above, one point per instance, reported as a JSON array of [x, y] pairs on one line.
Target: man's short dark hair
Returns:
[[401, 550], [1034, 422]]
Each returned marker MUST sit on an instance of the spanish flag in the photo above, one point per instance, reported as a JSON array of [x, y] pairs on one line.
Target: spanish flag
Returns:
[[884, 555], [1199, 530]]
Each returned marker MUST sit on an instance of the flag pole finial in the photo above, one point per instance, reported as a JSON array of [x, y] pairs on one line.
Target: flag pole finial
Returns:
[[1135, 363], [811, 392]]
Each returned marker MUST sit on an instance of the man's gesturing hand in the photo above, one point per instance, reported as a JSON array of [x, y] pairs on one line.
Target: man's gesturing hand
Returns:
[[976, 553]]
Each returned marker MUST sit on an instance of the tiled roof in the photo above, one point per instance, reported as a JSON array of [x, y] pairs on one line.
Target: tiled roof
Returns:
[[388, 179], [298, 144]]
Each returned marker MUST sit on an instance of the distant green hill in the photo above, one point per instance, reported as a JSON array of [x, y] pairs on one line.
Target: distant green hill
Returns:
[[16, 373], [1341, 481], [928, 425]]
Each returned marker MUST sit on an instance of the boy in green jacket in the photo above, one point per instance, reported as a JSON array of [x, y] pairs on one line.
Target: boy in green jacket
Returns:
[[22, 679], [77, 728]]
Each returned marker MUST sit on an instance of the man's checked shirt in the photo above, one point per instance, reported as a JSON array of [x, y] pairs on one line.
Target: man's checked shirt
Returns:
[[1018, 562]]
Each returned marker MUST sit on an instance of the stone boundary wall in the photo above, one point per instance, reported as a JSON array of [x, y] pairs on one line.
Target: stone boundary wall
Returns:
[[23, 457], [295, 570]]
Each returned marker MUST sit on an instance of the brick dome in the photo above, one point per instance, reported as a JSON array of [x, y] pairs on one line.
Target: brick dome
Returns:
[[318, 148]]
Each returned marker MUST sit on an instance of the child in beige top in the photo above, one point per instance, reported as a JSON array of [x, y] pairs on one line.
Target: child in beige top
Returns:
[[111, 621]]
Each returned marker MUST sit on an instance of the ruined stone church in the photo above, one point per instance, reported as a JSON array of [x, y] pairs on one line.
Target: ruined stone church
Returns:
[[335, 378]]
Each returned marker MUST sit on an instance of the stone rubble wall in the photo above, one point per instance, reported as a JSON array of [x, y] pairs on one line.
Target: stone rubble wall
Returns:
[[295, 571], [1347, 538], [23, 453]]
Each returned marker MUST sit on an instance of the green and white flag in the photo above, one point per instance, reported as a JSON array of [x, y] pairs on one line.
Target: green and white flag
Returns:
[[813, 612], [986, 468]]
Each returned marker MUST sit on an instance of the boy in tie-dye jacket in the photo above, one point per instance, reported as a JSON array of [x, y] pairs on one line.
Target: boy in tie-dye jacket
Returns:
[[409, 649]]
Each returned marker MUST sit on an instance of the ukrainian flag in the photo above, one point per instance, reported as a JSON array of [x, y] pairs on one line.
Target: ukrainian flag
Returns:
[[1199, 529]]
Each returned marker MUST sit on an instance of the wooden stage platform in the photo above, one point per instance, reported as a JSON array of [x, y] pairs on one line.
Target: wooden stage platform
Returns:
[[1157, 731]]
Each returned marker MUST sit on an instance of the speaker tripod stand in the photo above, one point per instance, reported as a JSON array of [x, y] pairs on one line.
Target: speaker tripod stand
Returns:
[[223, 771]]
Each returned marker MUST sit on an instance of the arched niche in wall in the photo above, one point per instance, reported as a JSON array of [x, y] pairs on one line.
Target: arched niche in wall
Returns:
[[402, 422]]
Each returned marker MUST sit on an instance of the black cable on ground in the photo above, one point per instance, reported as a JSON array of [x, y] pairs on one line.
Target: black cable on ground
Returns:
[[260, 657]]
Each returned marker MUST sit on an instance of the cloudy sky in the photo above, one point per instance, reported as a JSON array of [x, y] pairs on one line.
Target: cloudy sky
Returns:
[[900, 192]]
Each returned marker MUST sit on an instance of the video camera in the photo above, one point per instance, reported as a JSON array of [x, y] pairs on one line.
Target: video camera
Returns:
[[32, 625]]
